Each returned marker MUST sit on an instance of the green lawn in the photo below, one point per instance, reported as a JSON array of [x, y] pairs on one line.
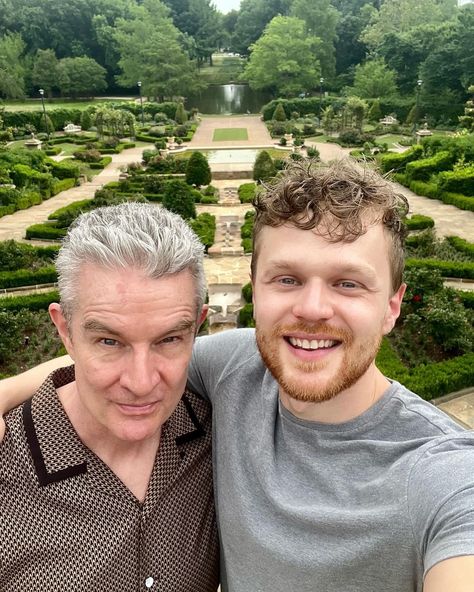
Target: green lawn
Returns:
[[222, 134], [35, 104]]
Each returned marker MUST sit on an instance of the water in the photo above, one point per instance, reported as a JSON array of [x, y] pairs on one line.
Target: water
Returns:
[[225, 99], [235, 156]]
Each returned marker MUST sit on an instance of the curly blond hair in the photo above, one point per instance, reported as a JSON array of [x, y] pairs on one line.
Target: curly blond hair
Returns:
[[341, 199]]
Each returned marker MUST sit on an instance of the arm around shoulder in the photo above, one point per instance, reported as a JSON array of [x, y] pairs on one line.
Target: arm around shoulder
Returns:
[[17, 389]]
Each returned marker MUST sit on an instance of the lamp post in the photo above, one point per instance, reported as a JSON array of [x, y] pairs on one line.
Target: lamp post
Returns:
[[419, 82], [139, 84], [41, 92], [321, 82]]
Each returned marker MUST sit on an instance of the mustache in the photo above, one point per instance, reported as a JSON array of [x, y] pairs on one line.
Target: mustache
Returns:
[[330, 332]]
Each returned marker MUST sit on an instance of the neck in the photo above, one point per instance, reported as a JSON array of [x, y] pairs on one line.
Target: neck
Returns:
[[132, 462], [347, 405]]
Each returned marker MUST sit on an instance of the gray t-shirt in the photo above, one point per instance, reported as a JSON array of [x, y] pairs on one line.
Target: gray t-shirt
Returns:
[[367, 505]]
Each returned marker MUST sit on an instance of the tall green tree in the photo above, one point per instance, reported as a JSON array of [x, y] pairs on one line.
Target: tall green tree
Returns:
[[321, 20], [403, 15], [354, 16], [284, 59], [80, 77], [12, 69], [254, 16], [45, 70], [151, 51], [373, 80]]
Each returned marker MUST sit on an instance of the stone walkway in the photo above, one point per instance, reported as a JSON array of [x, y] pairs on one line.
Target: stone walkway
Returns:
[[15, 225], [258, 135]]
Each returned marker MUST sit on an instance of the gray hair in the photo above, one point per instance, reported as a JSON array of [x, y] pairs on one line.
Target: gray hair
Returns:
[[131, 234]]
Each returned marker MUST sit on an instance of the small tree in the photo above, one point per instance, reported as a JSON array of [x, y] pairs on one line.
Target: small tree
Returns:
[[46, 124], [86, 119], [263, 169], [178, 198], [198, 171], [180, 116], [414, 115], [375, 113], [279, 113], [467, 120]]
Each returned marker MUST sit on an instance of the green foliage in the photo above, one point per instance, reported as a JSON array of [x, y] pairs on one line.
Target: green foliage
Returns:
[[461, 245], [247, 192], [26, 277], [373, 79], [419, 222], [247, 292], [80, 76], [246, 231], [422, 170], [446, 268], [31, 302], [178, 198], [263, 169], [245, 318], [284, 59], [279, 113], [86, 119], [375, 112], [64, 169], [398, 162], [62, 185], [198, 171], [12, 68], [180, 115], [458, 181], [205, 227]]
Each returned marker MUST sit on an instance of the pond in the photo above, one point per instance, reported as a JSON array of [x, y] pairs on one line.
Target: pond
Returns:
[[236, 156], [225, 99]]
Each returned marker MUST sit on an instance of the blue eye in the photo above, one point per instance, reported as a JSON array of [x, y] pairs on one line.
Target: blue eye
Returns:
[[108, 341], [287, 281]]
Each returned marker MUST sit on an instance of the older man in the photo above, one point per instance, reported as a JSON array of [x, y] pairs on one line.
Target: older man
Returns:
[[328, 475], [105, 475]]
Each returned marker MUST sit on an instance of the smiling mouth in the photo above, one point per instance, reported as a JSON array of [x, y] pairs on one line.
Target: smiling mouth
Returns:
[[311, 344]]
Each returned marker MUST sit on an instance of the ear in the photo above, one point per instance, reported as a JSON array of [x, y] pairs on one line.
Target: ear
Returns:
[[59, 321], [202, 316], [393, 309]]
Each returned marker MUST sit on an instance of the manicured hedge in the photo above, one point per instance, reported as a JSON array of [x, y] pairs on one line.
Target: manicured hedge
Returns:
[[66, 169], [73, 209], [438, 379], [455, 269], [45, 231], [205, 227], [421, 170], [397, 162], [459, 181], [80, 140], [431, 190], [103, 162], [63, 185], [460, 201], [33, 302], [467, 298], [419, 222], [25, 277], [461, 245], [247, 192]]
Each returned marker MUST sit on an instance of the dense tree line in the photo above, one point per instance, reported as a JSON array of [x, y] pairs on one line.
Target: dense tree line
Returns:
[[369, 48]]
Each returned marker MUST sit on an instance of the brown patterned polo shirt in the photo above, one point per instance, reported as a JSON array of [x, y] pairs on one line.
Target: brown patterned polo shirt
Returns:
[[69, 524]]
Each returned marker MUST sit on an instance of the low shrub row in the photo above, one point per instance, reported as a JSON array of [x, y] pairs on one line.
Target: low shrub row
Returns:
[[458, 181], [45, 232], [204, 225], [455, 269], [398, 161], [461, 245], [419, 222], [25, 277], [30, 301], [431, 190], [62, 185], [103, 162], [421, 170]]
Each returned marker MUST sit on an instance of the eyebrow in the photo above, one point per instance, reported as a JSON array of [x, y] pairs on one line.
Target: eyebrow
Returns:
[[95, 326], [349, 268]]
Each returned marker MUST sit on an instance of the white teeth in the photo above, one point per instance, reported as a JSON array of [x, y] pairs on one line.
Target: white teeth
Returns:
[[313, 344]]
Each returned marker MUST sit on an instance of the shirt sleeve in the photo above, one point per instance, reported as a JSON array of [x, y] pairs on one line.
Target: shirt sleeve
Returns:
[[441, 499]]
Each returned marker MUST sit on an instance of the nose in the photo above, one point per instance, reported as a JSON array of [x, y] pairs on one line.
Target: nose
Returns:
[[140, 373], [313, 302]]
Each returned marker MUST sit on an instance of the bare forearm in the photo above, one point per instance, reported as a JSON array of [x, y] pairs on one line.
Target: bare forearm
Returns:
[[16, 389]]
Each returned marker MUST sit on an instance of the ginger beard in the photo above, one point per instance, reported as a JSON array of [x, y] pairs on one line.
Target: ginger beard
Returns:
[[301, 380]]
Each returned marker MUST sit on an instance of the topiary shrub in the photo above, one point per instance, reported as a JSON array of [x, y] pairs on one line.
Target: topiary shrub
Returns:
[[279, 113], [178, 197], [198, 171], [263, 169], [419, 222], [180, 115], [247, 192]]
